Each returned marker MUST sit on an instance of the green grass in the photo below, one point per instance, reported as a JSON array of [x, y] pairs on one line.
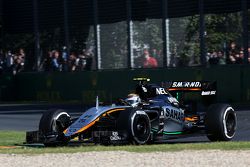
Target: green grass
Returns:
[[10, 138]]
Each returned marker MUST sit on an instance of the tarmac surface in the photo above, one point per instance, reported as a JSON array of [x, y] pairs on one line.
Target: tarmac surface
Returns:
[[25, 117]]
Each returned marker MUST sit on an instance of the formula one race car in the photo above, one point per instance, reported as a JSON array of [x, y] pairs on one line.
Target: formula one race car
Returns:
[[150, 114]]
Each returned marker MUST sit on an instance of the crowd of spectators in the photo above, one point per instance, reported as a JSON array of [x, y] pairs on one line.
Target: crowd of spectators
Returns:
[[233, 55], [62, 60], [12, 62], [56, 61]]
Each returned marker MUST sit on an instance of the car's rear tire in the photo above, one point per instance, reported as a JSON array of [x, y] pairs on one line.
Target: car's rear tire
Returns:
[[137, 124], [220, 122], [55, 121]]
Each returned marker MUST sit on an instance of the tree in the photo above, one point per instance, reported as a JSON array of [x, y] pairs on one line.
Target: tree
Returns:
[[221, 29]]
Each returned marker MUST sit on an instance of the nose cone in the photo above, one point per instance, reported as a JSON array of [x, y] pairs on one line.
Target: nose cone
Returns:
[[85, 121]]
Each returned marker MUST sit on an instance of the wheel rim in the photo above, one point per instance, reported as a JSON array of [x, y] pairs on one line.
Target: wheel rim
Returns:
[[61, 122], [229, 123]]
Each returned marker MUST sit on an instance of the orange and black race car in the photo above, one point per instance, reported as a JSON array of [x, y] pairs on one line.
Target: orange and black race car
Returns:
[[152, 113]]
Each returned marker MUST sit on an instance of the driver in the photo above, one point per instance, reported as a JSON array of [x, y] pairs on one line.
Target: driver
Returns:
[[133, 99]]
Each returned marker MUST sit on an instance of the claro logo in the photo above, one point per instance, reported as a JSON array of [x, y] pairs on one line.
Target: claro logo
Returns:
[[174, 114]]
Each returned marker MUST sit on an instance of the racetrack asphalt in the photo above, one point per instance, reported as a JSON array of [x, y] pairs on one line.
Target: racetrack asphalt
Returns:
[[25, 117]]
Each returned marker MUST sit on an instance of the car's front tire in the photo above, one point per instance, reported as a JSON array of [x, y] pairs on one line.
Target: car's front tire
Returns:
[[140, 127], [54, 121], [137, 124], [220, 122]]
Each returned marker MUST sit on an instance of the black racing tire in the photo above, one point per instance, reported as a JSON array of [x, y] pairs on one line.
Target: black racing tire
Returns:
[[55, 121], [137, 124], [220, 122], [140, 127]]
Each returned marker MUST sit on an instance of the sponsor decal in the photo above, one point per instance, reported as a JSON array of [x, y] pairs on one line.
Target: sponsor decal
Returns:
[[72, 130], [84, 119], [161, 91], [174, 114], [115, 136], [144, 89], [140, 112], [186, 84], [206, 93], [173, 100]]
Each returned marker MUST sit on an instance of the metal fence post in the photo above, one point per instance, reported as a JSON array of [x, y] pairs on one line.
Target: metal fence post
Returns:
[[165, 34], [130, 61], [202, 33], [245, 29], [1, 25], [36, 33], [97, 36], [66, 25]]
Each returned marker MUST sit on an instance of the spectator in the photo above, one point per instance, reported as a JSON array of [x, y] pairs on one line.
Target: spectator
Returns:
[[18, 65], [239, 58], [221, 57], [72, 62], [81, 61], [2, 61], [47, 62], [232, 60], [233, 50], [64, 59], [149, 62], [155, 54], [89, 59], [56, 66], [138, 58], [21, 57], [213, 59], [9, 61], [64, 54]]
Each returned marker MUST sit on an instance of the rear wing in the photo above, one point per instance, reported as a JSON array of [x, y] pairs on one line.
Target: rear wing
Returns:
[[206, 88]]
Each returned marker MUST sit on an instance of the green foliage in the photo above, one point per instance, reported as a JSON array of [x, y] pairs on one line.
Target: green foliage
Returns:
[[14, 42], [113, 45], [221, 29], [148, 34]]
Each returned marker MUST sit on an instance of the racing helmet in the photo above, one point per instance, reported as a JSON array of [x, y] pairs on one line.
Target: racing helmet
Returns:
[[133, 99]]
